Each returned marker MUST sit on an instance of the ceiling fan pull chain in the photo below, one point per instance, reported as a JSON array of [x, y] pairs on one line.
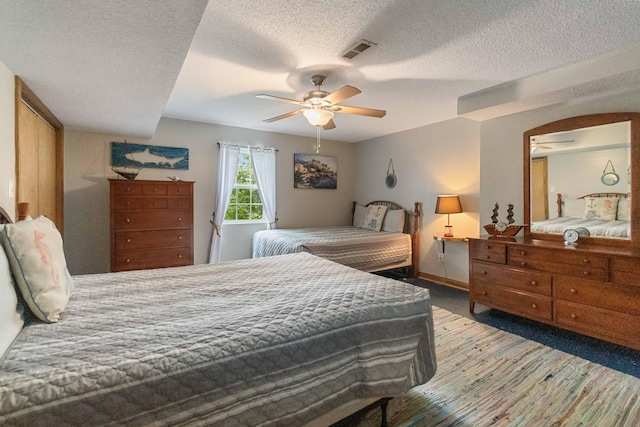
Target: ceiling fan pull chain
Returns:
[[317, 139]]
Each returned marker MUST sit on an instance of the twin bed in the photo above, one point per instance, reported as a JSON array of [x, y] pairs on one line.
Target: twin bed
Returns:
[[603, 214], [280, 340], [358, 246]]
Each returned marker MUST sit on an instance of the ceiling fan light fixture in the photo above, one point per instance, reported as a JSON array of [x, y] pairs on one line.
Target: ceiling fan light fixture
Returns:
[[318, 116]]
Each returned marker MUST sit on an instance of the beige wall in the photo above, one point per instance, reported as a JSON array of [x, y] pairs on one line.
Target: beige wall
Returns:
[[87, 167], [7, 138], [442, 158]]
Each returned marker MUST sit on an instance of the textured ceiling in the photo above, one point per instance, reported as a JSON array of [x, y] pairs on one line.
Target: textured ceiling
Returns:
[[115, 66]]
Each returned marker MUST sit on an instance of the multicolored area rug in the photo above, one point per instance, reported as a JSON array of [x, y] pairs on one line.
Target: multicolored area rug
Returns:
[[488, 377]]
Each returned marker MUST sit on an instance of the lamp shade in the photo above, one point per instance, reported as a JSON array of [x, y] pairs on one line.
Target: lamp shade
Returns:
[[318, 116], [448, 204]]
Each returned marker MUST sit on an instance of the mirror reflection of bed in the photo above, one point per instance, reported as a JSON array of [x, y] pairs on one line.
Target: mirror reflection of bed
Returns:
[[585, 212], [568, 185]]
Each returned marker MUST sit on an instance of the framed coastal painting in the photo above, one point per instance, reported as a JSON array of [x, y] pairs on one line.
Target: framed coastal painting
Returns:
[[125, 154], [315, 172]]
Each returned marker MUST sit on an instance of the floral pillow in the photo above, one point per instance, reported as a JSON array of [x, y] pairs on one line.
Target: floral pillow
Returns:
[[602, 208], [374, 217], [35, 253]]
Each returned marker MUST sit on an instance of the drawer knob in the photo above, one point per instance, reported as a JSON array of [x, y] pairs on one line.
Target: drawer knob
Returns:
[[523, 263], [534, 306], [488, 257], [180, 256], [534, 283], [523, 253], [586, 261], [586, 273], [179, 203], [128, 188], [179, 218], [128, 260], [128, 203], [484, 293], [128, 220], [179, 237], [487, 247], [573, 291], [128, 240], [155, 189], [574, 316]]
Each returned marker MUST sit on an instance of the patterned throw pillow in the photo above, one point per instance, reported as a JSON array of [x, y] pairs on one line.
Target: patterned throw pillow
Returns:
[[35, 253], [602, 208], [375, 216]]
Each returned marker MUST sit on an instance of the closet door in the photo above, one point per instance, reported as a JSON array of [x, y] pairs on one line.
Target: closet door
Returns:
[[39, 157]]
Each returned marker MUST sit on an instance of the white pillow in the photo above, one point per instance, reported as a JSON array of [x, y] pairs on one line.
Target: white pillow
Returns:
[[573, 208], [11, 310], [375, 216], [358, 216], [602, 208], [35, 253], [394, 221], [624, 209]]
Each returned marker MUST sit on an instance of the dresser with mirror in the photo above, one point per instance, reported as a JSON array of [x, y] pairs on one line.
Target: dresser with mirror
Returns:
[[577, 263]]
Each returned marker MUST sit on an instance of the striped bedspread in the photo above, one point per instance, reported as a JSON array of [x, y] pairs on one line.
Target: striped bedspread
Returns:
[[270, 341], [596, 227], [355, 247]]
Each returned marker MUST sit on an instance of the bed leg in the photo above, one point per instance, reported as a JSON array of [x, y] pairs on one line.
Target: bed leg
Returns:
[[383, 410]]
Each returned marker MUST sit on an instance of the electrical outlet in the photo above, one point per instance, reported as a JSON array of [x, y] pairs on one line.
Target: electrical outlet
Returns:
[[440, 256]]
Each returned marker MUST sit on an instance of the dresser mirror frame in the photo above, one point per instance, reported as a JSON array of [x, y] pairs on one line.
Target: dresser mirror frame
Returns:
[[576, 123]]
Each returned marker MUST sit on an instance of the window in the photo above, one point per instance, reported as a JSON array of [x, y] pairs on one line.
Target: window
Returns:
[[245, 204]]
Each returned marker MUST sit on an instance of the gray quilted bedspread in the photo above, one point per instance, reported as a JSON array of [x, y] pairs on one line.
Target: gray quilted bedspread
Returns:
[[269, 341], [366, 250]]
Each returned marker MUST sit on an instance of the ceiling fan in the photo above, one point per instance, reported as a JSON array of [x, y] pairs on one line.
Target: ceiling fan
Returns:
[[536, 144], [319, 106]]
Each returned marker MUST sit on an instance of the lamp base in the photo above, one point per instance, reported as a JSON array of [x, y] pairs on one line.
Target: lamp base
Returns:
[[448, 231]]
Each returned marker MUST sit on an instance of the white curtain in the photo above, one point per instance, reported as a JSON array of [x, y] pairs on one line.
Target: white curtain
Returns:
[[264, 168], [227, 169]]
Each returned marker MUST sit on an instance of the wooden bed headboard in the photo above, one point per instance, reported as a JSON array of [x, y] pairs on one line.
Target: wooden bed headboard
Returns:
[[4, 217], [560, 201]]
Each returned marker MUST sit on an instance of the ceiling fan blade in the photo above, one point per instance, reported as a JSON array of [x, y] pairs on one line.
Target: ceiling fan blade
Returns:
[[278, 98], [360, 111], [283, 116], [341, 94], [330, 125]]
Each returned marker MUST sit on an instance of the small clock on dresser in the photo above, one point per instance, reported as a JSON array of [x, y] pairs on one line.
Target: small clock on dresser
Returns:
[[572, 235]]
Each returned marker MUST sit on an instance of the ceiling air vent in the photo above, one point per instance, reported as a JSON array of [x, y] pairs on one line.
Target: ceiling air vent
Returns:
[[357, 49]]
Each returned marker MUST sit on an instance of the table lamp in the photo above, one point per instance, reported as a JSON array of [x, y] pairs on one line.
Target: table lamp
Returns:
[[448, 204]]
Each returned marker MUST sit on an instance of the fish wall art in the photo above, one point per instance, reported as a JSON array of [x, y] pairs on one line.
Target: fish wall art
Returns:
[[149, 156]]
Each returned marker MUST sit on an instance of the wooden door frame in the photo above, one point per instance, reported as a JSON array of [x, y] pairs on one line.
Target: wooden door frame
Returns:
[[25, 95]]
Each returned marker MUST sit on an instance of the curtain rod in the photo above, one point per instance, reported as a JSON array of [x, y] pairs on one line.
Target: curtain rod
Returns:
[[251, 147]]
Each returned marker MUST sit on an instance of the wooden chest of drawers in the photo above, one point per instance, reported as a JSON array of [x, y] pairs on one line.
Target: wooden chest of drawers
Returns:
[[590, 290], [151, 224]]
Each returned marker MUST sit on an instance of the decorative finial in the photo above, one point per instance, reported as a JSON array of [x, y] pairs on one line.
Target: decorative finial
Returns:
[[494, 217], [510, 214]]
